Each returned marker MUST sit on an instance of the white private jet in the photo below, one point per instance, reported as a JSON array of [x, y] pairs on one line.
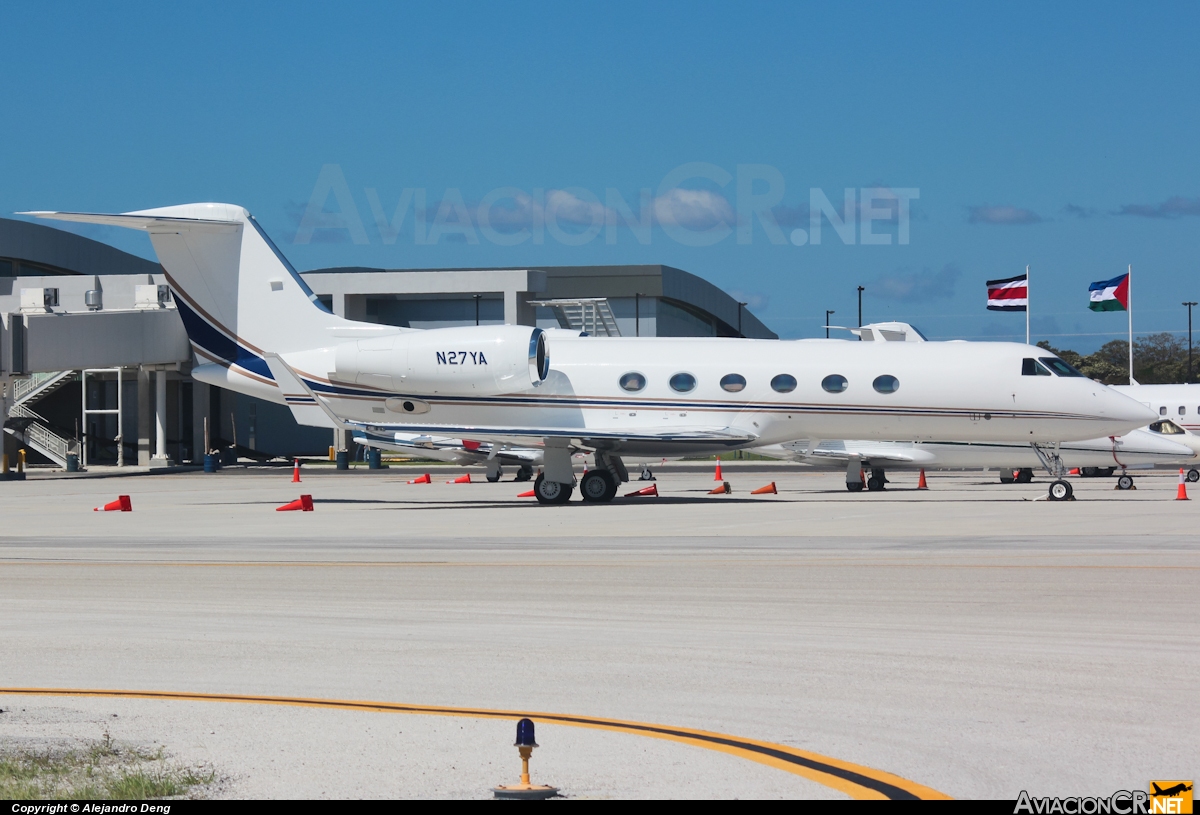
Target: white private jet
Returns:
[[257, 328]]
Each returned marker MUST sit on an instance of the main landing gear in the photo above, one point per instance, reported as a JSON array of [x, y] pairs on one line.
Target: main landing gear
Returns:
[[598, 485], [877, 482], [1021, 476], [525, 473]]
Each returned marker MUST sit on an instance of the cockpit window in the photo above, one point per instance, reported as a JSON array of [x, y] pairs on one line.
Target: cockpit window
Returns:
[[1167, 428], [1059, 367], [1031, 367]]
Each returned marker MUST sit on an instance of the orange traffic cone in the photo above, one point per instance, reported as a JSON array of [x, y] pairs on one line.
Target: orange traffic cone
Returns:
[[530, 494], [1181, 493], [767, 490], [422, 479], [717, 476], [724, 489], [304, 503], [462, 479], [122, 504], [651, 490], [296, 472], [1073, 471], [921, 485]]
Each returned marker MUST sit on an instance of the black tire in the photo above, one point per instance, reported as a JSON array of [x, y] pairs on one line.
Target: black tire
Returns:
[[1107, 472], [1193, 475], [598, 486], [1024, 475], [854, 486], [551, 492], [1089, 472], [875, 484], [494, 477], [1060, 490], [1007, 477], [525, 473], [1125, 482], [647, 475]]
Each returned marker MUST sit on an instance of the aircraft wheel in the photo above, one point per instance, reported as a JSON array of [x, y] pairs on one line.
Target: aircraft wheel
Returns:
[[875, 484], [551, 492], [524, 474], [1061, 491], [854, 486], [1193, 474], [1024, 475], [1106, 472], [494, 477], [1125, 482], [1007, 476], [1089, 472], [647, 475], [598, 486]]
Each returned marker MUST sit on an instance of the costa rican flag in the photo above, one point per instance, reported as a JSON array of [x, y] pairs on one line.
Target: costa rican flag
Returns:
[[1009, 294], [1110, 295]]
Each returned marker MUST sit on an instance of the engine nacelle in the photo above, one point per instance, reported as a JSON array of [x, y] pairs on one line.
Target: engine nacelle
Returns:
[[468, 361]]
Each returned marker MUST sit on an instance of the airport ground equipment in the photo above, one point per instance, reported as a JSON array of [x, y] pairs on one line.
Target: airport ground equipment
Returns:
[[921, 485], [525, 790], [296, 472], [1181, 493]]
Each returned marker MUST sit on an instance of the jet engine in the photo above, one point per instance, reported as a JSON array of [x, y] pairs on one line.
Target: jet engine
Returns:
[[467, 361]]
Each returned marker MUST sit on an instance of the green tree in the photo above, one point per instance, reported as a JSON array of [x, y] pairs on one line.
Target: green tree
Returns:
[[1157, 359]]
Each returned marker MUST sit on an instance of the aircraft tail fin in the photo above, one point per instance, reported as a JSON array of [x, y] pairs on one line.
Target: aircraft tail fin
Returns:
[[237, 294]]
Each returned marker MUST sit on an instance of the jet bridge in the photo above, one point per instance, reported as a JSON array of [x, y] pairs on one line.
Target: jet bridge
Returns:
[[56, 330]]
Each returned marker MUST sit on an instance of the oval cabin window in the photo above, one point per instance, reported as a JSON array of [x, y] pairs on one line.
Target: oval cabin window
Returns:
[[733, 382], [682, 382], [834, 383]]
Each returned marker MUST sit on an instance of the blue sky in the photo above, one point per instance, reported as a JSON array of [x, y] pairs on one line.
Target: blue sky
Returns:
[[1059, 135]]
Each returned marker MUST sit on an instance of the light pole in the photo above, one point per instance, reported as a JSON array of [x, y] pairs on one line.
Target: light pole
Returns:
[[828, 311], [1189, 305]]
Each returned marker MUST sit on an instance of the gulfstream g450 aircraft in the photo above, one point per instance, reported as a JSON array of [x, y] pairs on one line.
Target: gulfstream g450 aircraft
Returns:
[[257, 328]]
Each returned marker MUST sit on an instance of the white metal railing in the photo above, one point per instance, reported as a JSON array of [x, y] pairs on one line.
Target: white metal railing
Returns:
[[48, 443], [28, 386], [25, 413], [591, 314]]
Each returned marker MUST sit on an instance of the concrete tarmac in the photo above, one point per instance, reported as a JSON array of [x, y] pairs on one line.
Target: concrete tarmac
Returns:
[[967, 638]]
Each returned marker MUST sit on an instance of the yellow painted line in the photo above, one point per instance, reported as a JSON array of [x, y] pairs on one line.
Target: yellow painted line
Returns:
[[852, 779]]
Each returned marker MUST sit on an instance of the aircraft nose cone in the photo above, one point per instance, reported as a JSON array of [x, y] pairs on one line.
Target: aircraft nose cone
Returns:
[[1123, 408]]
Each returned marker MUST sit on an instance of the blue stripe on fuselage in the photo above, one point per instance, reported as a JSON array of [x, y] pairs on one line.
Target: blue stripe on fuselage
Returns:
[[215, 342]]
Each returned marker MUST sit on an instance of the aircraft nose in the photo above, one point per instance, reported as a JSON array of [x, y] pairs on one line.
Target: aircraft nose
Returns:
[[1123, 408]]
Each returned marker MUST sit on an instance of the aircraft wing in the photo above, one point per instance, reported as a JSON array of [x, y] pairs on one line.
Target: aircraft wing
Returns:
[[838, 453], [588, 437], [456, 451]]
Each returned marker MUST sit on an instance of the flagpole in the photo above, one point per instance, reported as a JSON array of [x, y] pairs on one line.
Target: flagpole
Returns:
[[1129, 296], [1027, 304]]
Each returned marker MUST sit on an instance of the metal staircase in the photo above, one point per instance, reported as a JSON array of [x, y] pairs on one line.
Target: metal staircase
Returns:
[[590, 314], [34, 431]]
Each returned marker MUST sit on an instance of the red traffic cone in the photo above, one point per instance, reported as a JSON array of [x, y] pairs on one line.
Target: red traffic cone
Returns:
[[422, 479], [1181, 493], [767, 490], [296, 472], [122, 504], [530, 494], [304, 503], [1073, 471], [921, 485], [717, 475], [724, 489], [462, 479], [651, 490]]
